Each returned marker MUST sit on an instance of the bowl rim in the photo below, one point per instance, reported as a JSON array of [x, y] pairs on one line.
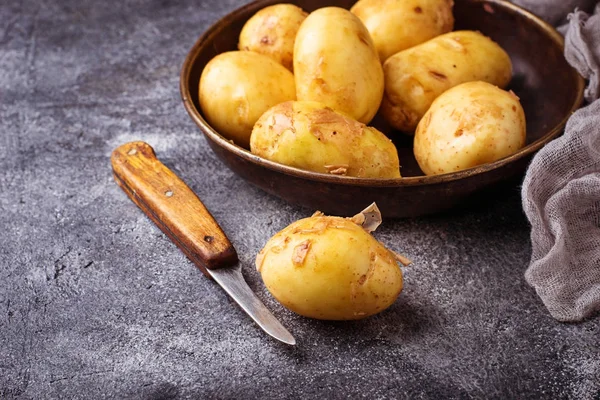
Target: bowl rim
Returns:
[[246, 155]]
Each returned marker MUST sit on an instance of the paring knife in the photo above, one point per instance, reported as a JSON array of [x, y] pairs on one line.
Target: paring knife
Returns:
[[180, 214]]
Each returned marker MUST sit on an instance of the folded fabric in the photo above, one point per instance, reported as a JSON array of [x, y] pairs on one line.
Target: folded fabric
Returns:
[[561, 192]]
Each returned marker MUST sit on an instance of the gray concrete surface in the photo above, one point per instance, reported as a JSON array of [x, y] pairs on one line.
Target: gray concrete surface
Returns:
[[96, 303]]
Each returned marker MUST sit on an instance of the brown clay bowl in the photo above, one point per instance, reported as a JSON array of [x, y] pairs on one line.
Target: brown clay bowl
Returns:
[[550, 90]]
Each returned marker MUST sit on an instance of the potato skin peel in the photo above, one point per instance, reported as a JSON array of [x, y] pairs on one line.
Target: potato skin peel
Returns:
[[329, 268]]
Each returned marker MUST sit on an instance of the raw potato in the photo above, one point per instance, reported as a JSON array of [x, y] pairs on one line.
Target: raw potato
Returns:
[[237, 87], [272, 32], [329, 268], [398, 25], [415, 77], [310, 136], [335, 63], [469, 125]]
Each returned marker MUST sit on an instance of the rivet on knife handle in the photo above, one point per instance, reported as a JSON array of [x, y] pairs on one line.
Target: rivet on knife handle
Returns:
[[155, 188]]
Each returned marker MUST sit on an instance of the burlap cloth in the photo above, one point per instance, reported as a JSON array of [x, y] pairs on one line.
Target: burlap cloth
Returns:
[[561, 191]]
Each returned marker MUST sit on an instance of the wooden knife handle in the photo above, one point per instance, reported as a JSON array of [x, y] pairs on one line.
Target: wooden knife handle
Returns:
[[172, 205]]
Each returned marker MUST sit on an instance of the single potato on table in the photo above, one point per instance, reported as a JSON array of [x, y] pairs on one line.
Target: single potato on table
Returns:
[[330, 268], [469, 125], [414, 78], [313, 137], [335, 63], [237, 87], [272, 32], [398, 25]]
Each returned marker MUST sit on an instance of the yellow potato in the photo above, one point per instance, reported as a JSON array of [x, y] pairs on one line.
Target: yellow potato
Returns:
[[310, 136], [237, 87], [335, 63], [329, 268], [272, 32], [469, 125], [415, 77], [398, 25]]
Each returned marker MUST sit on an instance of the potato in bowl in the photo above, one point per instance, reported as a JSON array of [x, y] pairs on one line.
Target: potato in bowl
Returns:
[[314, 137], [469, 125], [398, 25], [336, 63], [237, 87], [272, 32]]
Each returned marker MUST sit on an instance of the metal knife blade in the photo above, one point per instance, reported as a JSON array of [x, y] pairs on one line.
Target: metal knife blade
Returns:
[[232, 281]]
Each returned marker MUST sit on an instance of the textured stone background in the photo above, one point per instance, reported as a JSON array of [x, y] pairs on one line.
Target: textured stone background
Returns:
[[96, 303]]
